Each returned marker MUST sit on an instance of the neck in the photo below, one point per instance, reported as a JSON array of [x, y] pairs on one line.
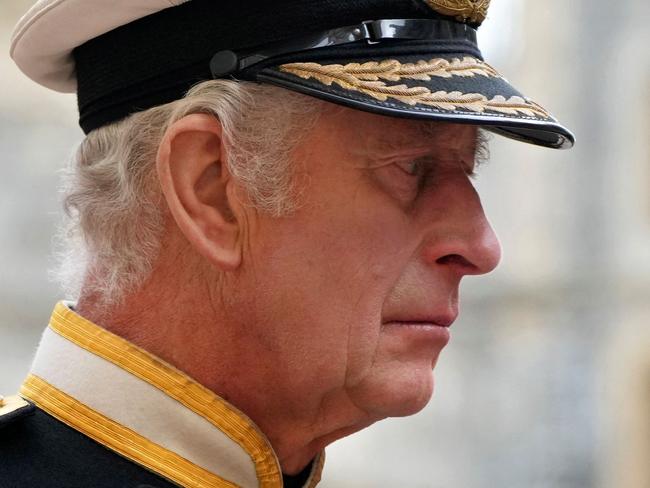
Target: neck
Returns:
[[181, 317], [201, 342]]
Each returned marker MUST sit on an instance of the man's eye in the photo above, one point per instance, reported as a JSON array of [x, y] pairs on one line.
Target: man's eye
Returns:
[[412, 168]]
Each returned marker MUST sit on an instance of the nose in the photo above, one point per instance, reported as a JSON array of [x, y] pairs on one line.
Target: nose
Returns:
[[459, 235]]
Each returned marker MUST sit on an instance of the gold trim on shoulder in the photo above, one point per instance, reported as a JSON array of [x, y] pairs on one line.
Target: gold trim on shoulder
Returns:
[[119, 438], [474, 11], [175, 384], [367, 78]]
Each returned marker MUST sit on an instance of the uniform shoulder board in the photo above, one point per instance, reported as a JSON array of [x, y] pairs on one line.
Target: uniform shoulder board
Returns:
[[13, 408]]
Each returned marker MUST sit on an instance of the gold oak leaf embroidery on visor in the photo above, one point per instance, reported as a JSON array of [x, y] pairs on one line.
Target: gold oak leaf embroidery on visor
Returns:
[[366, 78], [394, 70], [474, 11]]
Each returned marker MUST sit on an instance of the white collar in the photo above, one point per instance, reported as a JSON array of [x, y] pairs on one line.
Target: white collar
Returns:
[[146, 410]]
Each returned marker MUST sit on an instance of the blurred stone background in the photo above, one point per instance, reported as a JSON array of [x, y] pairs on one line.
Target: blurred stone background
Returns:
[[546, 383]]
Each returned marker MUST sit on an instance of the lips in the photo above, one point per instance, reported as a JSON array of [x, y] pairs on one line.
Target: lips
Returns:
[[443, 320]]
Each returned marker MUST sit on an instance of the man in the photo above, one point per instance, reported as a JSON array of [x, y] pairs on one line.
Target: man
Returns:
[[270, 217]]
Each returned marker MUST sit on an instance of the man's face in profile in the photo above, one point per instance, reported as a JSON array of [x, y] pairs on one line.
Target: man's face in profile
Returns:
[[354, 291]]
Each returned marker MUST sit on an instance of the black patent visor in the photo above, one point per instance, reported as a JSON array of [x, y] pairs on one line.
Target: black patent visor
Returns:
[[226, 63]]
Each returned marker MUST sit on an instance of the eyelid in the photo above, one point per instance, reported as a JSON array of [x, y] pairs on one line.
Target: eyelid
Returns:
[[429, 162], [404, 164]]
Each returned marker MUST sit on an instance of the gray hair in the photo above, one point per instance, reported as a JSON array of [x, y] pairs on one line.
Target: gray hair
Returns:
[[112, 197]]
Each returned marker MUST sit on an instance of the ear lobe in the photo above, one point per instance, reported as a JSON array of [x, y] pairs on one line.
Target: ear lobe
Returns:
[[198, 188]]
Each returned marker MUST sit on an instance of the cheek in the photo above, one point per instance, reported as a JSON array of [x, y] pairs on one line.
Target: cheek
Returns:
[[358, 259], [331, 272], [322, 276]]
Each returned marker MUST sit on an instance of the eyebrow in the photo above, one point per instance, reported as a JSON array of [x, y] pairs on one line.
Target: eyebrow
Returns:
[[423, 142], [398, 140]]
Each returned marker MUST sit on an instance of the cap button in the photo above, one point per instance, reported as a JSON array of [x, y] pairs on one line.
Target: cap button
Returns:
[[224, 63]]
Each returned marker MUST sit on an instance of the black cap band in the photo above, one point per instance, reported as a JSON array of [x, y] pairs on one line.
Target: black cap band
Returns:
[[155, 60]]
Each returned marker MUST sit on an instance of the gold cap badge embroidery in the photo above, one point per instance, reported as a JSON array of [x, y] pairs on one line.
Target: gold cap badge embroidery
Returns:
[[474, 11]]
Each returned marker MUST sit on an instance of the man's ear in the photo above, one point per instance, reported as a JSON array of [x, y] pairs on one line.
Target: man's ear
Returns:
[[199, 189]]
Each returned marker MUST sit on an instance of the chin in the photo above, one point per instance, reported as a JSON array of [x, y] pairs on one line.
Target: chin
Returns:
[[413, 396], [398, 396]]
